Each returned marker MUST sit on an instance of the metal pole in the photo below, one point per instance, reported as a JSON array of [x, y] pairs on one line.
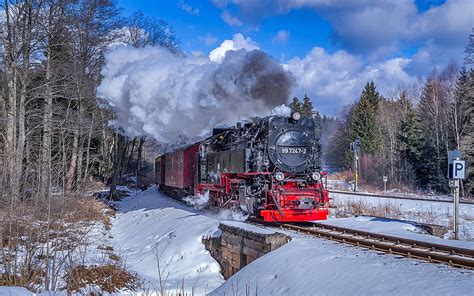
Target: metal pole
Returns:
[[384, 186], [356, 171], [456, 208]]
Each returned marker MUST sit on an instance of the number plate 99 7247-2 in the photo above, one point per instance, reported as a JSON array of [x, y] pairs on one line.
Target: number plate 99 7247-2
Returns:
[[293, 150]]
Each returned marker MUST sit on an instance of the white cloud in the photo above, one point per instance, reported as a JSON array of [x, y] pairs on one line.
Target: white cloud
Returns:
[[230, 19], [334, 80], [282, 36], [188, 8], [208, 39], [238, 42], [377, 28]]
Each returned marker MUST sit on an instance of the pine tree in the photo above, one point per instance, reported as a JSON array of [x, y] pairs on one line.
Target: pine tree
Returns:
[[469, 50], [431, 110], [466, 110], [364, 121], [296, 105], [307, 107], [428, 166], [410, 144], [318, 121], [460, 98]]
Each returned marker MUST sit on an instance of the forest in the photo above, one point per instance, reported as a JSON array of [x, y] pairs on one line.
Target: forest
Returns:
[[405, 137], [56, 145]]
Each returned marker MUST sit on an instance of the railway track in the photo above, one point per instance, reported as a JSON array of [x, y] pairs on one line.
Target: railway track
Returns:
[[469, 202], [431, 252]]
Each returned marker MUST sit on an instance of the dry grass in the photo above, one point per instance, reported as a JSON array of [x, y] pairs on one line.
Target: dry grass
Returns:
[[388, 210], [346, 176], [362, 208], [34, 236], [108, 278]]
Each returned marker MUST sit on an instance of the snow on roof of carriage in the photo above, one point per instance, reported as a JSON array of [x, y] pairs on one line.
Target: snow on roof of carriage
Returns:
[[308, 266], [404, 229], [249, 227]]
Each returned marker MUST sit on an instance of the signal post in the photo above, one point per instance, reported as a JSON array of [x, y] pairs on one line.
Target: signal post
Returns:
[[456, 172]]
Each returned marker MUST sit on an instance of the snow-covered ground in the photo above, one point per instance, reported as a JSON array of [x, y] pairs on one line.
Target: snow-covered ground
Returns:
[[151, 229], [397, 228], [417, 210], [20, 291], [305, 266], [341, 185], [309, 266]]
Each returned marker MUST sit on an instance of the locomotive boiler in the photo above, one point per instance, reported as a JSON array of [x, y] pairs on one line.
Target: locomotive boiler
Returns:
[[268, 167]]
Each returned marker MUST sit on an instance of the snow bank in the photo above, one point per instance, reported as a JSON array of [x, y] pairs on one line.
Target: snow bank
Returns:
[[308, 266], [20, 291], [151, 229], [249, 227], [398, 228], [418, 210]]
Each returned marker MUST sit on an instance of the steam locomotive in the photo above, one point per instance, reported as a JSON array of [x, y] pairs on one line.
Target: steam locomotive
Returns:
[[268, 167]]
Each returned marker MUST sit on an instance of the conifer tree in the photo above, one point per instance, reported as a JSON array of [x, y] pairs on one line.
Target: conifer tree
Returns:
[[410, 144], [296, 105], [431, 111], [469, 50], [364, 121], [428, 166], [466, 110], [461, 97], [307, 107]]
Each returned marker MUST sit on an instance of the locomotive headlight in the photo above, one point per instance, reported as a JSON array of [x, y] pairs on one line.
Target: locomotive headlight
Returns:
[[316, 176], [296, 115], [279, 176]]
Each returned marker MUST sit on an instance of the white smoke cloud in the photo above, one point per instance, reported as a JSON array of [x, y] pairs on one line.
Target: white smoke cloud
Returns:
[[165, 96], [238, 42]]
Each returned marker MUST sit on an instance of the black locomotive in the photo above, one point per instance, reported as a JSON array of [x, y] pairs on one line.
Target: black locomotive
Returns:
[[269, 167]]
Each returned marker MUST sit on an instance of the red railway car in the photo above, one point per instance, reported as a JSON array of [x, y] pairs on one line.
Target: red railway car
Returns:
[[179, 169], [160, 170], [267, 167]]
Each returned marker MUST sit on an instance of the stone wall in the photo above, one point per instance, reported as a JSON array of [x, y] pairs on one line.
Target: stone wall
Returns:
[[240, 243]]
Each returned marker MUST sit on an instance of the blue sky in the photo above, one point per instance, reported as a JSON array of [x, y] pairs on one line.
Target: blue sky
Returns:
[[391, 42], [193, 28]]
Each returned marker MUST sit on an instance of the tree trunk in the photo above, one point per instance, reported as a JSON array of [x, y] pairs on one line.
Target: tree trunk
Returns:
[[88, 147], [127, 167], [11, 108], [73, 163], [140, 152], [80, 156], [45, 179], [119, 154]]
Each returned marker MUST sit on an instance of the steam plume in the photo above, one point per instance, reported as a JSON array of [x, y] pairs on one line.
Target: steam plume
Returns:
[[158, 94]]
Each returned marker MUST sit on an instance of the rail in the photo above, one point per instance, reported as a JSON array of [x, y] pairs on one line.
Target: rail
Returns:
[[397, 197], [410, 248]]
